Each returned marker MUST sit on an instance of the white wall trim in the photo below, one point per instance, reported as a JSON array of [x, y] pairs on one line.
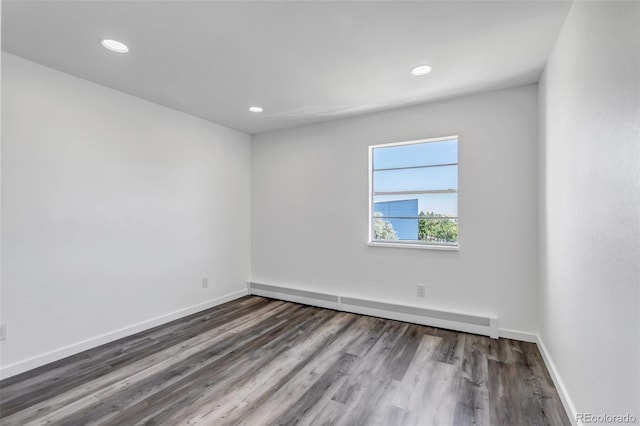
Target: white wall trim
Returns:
[[65, 351], [518, 335], [567, 403], [335, 302], [468, 323]]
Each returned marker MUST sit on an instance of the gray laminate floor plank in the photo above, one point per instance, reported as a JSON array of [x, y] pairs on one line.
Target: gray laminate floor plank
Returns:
[[61, 376], [236, 366], [257, 361], [472, 407], [233, 331], [260, 389]]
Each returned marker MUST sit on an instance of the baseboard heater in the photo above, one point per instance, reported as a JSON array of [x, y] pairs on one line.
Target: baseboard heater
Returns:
[[486, 326]]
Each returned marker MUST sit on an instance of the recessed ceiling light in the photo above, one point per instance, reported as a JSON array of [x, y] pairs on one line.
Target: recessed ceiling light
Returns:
[[114, 45], [255, 109], [421, 70]]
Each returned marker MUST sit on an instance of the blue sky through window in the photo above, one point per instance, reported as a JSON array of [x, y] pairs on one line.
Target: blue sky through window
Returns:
[[416, 155], [420, 154]]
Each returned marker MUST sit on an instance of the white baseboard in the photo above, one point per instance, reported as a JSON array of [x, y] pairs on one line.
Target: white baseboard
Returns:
[[559, 384], [518, 335], [330, 301], [65, 351], [465, 322]]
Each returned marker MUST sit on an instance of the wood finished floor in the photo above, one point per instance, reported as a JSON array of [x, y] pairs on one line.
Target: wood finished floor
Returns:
[[257, 361]]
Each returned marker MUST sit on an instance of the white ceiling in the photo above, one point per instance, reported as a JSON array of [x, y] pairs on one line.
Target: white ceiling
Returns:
[[304, 61]]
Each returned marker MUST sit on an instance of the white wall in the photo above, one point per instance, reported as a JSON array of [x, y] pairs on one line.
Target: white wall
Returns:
[[113, 209], [590, 207], [310, 207]]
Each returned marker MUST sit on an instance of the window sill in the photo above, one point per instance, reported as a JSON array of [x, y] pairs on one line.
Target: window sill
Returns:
[[413, 246]]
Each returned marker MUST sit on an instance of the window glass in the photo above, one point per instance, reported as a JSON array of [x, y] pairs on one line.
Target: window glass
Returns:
[[414, 193]]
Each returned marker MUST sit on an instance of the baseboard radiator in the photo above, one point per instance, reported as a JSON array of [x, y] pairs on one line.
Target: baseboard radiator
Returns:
[[486, 326]]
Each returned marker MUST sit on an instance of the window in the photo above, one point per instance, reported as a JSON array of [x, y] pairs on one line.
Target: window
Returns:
[[414, 193]]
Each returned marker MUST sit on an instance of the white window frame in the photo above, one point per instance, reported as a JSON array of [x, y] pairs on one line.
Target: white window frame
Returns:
[[410, 244]]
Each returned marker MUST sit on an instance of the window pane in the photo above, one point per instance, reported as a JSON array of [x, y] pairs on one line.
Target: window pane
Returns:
[[445, 177], [438, 231], [395, 229], [429, 230], [411, 205], [421, 154], [396, 208]]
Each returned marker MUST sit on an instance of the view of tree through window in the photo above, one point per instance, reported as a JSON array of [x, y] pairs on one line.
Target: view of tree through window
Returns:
[[414, 192]]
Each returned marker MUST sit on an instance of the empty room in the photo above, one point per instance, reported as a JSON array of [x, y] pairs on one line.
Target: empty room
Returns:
[[320, 213]]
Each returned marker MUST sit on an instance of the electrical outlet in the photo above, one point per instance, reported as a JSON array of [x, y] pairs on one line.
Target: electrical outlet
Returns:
[[205, 282], [3, 331], [421, 290]]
